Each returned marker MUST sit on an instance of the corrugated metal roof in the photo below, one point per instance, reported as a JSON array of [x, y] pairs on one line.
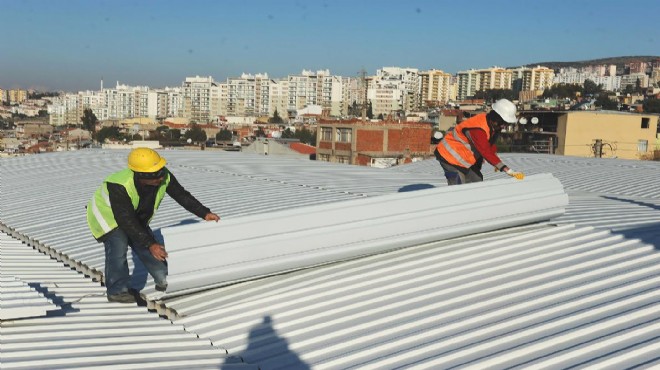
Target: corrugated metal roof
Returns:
[[87, 331], [535, 296]]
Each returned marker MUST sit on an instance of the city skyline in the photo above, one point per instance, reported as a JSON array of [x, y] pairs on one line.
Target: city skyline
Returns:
[[72, 45]]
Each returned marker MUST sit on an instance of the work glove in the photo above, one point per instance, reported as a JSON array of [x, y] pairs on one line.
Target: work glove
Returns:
[[517, 175]]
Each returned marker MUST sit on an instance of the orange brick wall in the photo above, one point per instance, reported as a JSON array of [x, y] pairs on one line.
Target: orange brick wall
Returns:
[[415, 139], [369, 140], [342, 146], [325, 145], [363, 160]]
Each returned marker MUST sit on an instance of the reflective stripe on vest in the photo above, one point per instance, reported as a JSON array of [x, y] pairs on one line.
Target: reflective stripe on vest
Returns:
[[100, 218], [455, 147]]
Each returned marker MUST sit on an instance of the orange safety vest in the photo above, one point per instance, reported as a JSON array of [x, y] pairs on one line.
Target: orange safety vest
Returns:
[[455, 147]]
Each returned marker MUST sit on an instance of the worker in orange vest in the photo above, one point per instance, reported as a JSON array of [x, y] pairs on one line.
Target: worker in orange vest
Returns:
[[461, 152]]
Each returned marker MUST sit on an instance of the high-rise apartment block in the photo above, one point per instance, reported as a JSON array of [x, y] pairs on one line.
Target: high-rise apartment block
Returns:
[[435, 87], [201, 99], [469, 82]]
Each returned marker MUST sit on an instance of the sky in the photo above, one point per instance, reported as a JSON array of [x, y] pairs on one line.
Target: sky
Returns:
[[70, 45]]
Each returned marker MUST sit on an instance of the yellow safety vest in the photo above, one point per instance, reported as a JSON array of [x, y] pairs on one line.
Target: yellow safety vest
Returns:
[[100, 218]]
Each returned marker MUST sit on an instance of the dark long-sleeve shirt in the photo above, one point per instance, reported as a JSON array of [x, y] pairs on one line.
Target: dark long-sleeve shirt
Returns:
[[135, 223]]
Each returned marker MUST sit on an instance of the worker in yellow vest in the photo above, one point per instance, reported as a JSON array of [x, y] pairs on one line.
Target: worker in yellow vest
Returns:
[[119, 214], [461, 151]]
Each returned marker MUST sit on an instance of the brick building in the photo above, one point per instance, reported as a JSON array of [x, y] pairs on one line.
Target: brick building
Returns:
[[376, 144]]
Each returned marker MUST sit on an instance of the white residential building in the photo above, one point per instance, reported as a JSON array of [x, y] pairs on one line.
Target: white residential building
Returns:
[[201, 99]]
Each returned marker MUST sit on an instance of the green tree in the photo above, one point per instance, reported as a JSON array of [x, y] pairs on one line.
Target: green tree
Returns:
[[370, 111], [89, 120], [604, 102], [306, 136], [175, 133], [224, 135], [288, 134], [638, 86], [591, 88], [381, 117], [354, 109], [651, 106], [109, 133], [561, 91], [492, 95], [275, 118], [195, 133], [260, 132]]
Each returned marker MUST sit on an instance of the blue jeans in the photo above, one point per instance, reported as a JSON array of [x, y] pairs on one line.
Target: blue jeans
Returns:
[[117, 278]]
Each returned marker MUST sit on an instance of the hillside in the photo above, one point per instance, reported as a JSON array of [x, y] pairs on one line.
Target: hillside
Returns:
[[618, 61]]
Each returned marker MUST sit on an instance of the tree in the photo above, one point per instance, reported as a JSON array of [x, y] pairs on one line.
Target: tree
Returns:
[[492, 95], [288, 134], [306, 136], [89, 120], [224, 135], [604, 102], [591, 88], [381, 117], [275, 118], [370, 111], [353, 109], [109, 133], [196, 134], [260, 132], [562, 91], [651, 106]]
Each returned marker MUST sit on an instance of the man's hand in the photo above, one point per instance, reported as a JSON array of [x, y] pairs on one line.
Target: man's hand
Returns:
[[158, 251], [517, 175], [211, 217]]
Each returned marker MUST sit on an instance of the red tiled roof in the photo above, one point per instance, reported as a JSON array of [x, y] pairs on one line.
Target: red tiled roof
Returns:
[[302, 148]]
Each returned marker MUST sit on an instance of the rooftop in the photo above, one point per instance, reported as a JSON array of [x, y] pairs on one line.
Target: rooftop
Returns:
[[578, 290]]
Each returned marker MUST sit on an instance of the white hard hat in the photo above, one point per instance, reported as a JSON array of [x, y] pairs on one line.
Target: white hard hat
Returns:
[[506, 109]]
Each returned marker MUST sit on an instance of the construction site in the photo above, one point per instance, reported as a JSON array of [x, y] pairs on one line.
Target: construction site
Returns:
[[320, 265]]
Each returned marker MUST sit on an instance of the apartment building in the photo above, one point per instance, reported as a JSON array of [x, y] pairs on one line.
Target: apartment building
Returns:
[[278, 97], [407, 80], [537, 78], [435, 87], [17, 96], [610, 82], [245, 96], [201, 99], [633, 78]]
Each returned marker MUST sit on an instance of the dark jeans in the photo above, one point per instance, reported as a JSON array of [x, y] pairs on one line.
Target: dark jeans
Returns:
[[117, 277], [458, 175]]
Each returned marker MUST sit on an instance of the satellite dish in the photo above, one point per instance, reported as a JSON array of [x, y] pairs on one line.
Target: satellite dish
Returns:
[[189, 141], [535, 120], [437, 135], [522, 120]]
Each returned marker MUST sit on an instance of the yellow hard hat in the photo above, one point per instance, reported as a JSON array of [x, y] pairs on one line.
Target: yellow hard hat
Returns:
[[145, 160]]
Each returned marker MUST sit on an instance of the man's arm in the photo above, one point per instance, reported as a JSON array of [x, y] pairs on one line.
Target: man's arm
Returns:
[[187, 201], [126, 218], [488, 151]]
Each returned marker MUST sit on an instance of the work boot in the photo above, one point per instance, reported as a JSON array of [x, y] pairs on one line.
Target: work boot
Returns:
[[124, 297], [161, 288]]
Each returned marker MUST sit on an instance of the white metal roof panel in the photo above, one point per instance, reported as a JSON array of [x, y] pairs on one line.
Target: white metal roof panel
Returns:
[[258, 245]]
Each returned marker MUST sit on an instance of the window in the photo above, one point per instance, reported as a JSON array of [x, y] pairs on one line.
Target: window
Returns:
[[326, 134], [344, 135], [645, 122], [642, 146], [343, 159]]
